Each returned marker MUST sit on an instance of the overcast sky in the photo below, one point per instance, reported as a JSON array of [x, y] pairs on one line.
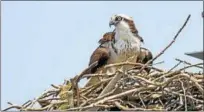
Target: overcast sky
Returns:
[[44, 43]]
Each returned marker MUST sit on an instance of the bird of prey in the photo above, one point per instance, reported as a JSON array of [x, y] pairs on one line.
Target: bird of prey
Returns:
[[144, 56], [103, 55], [121, 45], [127, 39], [106, 53]]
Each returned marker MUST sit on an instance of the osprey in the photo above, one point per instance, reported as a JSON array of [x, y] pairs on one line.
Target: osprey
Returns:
[[103, 55], [127, 39], [144, 56], [106, 53]]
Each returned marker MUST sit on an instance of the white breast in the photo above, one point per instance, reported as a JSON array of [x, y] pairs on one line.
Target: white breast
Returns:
[[126, 40], [126, 44]]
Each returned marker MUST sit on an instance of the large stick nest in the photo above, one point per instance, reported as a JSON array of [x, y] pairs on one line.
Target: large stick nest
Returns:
[[132, 89]]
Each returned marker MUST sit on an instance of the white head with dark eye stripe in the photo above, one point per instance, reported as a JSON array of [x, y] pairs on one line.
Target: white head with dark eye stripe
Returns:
[[120, 19], [124, 23]]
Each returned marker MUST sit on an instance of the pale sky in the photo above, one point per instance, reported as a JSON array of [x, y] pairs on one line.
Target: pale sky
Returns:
[[44, 43]]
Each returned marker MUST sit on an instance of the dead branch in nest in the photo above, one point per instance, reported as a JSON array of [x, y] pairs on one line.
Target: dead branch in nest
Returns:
[[174, 66], [182, 61], [77, 79], [174, 39], [95, 75]]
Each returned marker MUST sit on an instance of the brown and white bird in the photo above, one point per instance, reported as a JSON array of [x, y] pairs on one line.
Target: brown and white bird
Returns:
[[127, 39], [106, 53], [121, 45], [103, 55]]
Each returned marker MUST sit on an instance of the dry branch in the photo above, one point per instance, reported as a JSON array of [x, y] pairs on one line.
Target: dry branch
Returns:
[[174, 39]]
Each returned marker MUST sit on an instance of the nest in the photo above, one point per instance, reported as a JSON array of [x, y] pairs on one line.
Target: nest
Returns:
[[126, 90], [133, 89]]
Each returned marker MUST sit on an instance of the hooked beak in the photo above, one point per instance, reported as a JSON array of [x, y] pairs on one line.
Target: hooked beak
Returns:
[[112, 23]]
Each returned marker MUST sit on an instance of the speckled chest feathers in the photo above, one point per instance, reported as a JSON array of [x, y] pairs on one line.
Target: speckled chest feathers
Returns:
[[127, 44]]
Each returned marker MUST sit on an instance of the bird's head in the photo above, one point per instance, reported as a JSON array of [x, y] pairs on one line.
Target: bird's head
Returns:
[[119, 19], [122, 22]]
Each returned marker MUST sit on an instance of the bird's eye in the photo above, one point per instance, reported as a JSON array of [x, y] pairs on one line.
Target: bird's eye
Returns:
[[118, 18]]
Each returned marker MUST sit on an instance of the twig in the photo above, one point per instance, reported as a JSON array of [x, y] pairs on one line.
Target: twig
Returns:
[[110, 86], [123, 63], [130, 63], [174, 66], [201, 101], [95, 75], [77, 79], [54, 86], [120, 106], [187, 63], [162, 52], [190, 66], [141, 100], [105, 95], [91, 89], [176, 72], [32, 109], [86, 107], [148, 81], [42, 96], [157, 63], [26, 102], [150, 67], [13, 106], [44, 108], [161, 102], [95, 85], [184, 92], [194, 81], [132, 105], [96, 99], [125, 93]]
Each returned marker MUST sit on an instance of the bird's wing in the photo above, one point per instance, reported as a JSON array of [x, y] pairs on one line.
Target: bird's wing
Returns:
[[101, 56]]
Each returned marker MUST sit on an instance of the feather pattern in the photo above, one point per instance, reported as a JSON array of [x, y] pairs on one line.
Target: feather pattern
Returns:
[[104, 54], [127, 45]]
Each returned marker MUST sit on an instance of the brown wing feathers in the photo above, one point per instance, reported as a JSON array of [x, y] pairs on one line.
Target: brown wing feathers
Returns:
[[134, 29], [101, 55]]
